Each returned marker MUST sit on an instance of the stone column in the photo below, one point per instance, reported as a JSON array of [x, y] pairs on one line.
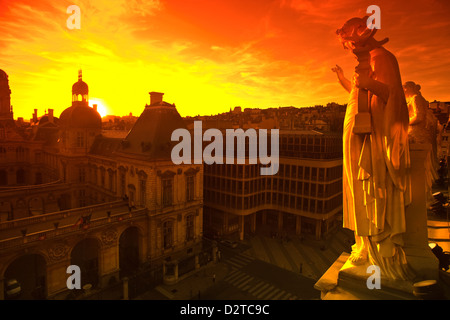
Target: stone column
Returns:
[[298, 225], [125, 288], [418, 253], [241, 228], [197, 263], [176, 271], [318, 229], [108, 257], [225, 223], [214, 253], [280, 222], [57, 276], [253, 222], [264, 218], [2, 288]]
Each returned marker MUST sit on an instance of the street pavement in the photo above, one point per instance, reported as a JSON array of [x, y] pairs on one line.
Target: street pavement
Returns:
[[261, 268], [266, 268]]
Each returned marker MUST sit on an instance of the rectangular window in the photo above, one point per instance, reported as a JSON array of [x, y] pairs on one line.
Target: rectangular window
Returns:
[[111, 180], [167, 185], [190, 188], [190, 227], [122, 183], [82, 198], [102, 177], [80, 139], [143, 191], [168, 234], [81, 175]]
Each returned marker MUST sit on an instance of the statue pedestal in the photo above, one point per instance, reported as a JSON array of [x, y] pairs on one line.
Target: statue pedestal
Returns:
[[344, 281], [418, 253]]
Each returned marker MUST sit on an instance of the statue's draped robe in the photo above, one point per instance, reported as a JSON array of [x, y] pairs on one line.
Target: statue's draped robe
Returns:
[[376, 177], [423, 131], [420, 130]]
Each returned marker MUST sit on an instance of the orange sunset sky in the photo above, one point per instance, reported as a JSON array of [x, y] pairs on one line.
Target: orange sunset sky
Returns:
[[208, 56]]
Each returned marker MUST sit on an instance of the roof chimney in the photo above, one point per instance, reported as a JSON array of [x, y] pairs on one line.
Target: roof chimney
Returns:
[[156, 97], [94, 106], [50, 115], [35, 116]]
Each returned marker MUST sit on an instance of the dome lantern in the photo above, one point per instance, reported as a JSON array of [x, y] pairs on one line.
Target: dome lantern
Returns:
[[80, 91]]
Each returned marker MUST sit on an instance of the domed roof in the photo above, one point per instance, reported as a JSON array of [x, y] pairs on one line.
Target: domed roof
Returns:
[[80, 87], [45, 119], [80, 116], [3, 74]]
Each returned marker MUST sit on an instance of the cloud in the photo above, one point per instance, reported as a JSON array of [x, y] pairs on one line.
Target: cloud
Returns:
[[203, 53]]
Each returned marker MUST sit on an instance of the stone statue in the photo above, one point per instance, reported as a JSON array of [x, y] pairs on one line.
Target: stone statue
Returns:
[[423, 129], [376, 161]]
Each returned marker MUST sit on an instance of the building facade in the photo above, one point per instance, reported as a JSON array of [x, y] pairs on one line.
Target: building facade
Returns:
[[304, 197], [71, 195]]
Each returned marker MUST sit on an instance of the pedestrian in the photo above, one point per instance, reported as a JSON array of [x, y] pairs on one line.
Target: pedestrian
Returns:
[[219, 255], [214, 278]]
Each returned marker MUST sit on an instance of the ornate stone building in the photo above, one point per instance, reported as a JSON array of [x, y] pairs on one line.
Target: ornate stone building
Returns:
[[70, 195]]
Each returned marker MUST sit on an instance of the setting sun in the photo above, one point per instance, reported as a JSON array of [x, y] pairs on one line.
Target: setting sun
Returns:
[[101, 108]]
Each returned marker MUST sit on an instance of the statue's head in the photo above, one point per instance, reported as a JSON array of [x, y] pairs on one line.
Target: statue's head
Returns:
[[355, 33], [411, 88]]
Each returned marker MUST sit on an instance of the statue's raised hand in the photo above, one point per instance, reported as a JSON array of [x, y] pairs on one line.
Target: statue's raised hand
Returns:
[[339, 71], [340, 74]]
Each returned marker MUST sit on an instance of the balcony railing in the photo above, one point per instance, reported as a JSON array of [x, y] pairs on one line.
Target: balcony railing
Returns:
[[57, 215], [72, 229]]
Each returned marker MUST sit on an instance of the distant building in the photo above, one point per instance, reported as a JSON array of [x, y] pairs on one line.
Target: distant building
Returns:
[[304, 197]]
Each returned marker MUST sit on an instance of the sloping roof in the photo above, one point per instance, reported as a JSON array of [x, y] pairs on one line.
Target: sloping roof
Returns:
[[104, 146], [150, 137]]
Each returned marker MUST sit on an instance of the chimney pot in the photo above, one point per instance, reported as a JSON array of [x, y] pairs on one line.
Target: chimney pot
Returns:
[[50, 115], [156, 97], [95, 107]]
